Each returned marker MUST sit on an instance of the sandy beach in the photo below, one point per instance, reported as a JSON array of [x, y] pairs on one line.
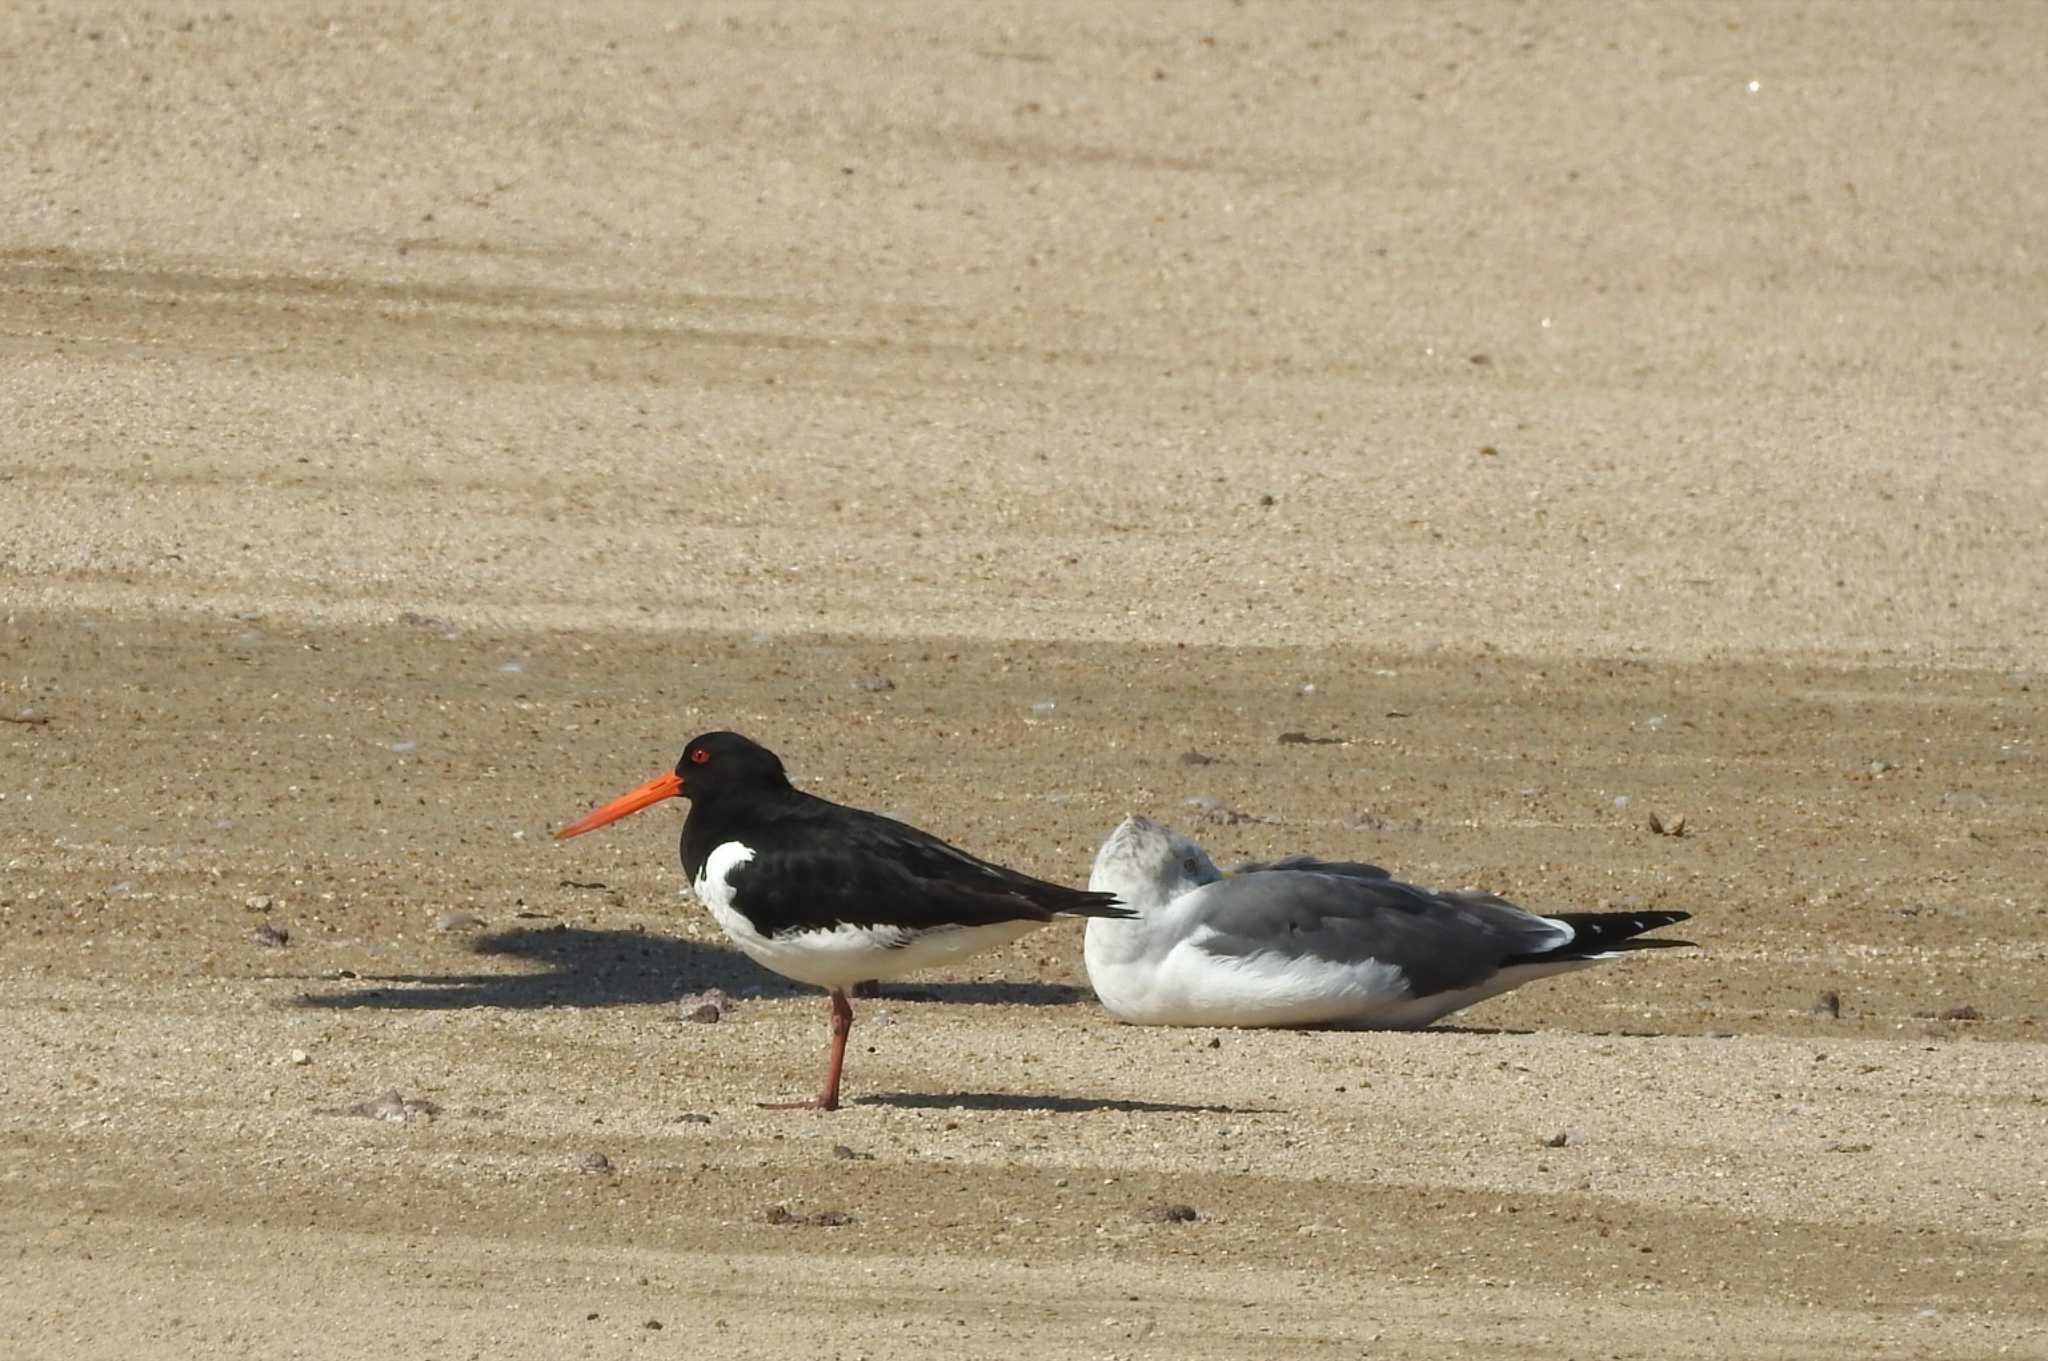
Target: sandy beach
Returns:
[[421, 419]]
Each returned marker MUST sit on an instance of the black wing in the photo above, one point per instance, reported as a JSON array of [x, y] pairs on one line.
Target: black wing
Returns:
[[845, 866]]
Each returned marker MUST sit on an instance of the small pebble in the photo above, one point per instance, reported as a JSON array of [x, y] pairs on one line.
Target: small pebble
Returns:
[[1564, 1138], [513, 667], [823, 1219], [1964, 1013], [407, 745], [300, 1058], [847, 1154], [594, 1162], [1198, 758], [705, 1008], [1045, 706], [873, 685], [1171, 1214], [390, 1106], [1209, 809], [274, 936], [257, 902], [1829, 1004], [457, 921]]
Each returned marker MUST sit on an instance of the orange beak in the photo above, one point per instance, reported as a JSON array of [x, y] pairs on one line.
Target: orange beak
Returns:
[[654, 791]]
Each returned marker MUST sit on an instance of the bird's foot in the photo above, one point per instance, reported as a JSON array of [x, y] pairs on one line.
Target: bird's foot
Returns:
[[815, 1103]]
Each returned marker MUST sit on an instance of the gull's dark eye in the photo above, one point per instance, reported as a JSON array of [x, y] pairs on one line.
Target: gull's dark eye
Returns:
[[700, 756], [1191, 865]]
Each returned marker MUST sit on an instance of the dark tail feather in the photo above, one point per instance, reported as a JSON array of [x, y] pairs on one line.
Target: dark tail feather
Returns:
[[1082, 903], [1600, 933]]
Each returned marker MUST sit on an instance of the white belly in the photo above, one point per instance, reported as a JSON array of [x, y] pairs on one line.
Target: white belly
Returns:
[[1189, 986], [838, 956]]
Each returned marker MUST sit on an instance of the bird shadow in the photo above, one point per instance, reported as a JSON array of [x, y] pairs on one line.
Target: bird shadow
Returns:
[[995, 993], [586, 967], [1498, 1030], [1438, 1028], [579, 967], [1057, 1105]]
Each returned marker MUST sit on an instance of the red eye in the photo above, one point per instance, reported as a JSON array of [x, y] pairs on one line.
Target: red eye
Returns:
[[700, 756]]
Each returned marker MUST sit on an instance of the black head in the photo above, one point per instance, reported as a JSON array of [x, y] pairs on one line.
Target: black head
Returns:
[[719, 762], [716, 765]]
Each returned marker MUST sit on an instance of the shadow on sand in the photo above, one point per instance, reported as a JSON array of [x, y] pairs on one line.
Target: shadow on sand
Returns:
[[581, 967], [1057, 1105]]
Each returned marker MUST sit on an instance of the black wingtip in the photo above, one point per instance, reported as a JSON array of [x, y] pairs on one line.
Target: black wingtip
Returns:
[[1603, 928], [1107, 905], [1596, 934]]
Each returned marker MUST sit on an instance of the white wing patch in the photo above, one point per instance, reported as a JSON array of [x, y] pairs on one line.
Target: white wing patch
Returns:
[[714, 886]]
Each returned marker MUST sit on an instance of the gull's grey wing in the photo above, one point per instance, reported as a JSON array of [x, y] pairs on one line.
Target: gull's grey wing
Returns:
[[1439, 941], [1356, 869]]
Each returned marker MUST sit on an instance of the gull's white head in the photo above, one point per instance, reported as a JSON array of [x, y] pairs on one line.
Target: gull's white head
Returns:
[[1148, 865]]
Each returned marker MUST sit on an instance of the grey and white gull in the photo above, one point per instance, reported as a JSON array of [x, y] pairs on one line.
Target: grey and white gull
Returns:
[[1306, 942]]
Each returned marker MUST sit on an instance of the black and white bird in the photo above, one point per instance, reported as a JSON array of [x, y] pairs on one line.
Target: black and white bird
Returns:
[[1307, 942], [830, 895]]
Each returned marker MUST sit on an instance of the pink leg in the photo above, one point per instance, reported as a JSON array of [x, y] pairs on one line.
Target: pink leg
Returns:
[[828, 1098]]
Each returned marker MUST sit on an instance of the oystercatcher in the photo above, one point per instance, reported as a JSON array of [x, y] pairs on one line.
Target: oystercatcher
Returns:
[[831, 895], [1307, 942]]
